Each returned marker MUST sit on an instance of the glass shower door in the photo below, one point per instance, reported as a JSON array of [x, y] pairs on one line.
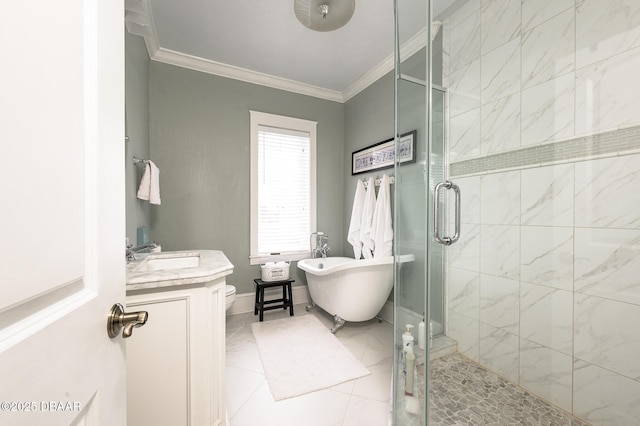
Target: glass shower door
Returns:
[[544, 139]]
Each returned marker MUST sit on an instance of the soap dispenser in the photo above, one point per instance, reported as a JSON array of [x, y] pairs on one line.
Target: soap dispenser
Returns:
[[407, 340]]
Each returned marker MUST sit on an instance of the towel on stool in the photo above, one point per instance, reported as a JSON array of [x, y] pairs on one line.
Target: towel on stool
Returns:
[[149, 188]]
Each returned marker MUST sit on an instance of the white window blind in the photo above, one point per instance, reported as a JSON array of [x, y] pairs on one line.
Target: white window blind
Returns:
[[283, 188]]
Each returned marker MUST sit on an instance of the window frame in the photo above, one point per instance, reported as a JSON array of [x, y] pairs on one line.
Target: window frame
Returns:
[[279, 121]]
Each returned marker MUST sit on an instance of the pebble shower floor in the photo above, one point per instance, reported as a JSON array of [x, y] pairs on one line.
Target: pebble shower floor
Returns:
[[462, 392]]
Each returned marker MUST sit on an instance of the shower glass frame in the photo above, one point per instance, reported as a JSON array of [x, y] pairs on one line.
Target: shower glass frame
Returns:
[[413, 205]]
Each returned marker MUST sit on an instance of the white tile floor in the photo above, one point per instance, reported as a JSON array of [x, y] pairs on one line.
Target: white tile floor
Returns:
[[363, 401]]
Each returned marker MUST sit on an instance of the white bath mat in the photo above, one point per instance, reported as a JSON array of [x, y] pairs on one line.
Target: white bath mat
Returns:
[[300, 355]]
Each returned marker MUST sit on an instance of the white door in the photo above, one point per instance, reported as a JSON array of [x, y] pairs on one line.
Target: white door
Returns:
[[62, 212]]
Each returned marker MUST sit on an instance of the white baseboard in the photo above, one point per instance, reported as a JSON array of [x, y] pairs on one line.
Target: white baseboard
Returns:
[[245, 302]]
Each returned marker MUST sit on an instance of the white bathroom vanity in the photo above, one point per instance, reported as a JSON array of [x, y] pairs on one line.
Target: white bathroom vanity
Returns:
[[176, 361]]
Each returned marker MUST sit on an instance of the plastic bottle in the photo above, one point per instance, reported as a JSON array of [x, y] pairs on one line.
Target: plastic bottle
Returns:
[[407, 340], [421, 333]]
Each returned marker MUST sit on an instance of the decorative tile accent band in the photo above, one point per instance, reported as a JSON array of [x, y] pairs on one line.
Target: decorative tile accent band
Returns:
[[606, 144]]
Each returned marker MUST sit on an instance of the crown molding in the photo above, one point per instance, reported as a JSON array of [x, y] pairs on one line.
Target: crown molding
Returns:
[[152, 44], [139, 21], [159, 54], [370, 77], [224, 70], [171, 57], [414, 44]]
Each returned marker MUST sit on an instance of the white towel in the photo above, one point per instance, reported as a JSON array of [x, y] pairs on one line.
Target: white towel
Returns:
[[367, 220], [149, 188], [382, 229], [353, 236]]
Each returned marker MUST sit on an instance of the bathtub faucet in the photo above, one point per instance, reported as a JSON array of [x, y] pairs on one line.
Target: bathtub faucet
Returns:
[[321, 244]]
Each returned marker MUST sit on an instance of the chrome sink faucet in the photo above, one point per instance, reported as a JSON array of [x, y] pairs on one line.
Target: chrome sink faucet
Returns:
[[146, 248], [321, 248]]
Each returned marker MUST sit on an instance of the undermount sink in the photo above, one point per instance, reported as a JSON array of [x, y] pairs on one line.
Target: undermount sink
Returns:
[[161, 262]]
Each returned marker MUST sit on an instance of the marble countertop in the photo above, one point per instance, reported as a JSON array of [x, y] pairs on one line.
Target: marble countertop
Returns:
[[213, 265]]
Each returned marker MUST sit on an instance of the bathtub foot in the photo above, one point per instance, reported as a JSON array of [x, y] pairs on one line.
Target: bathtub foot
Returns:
[[309, 307], [339, 322], [379, 319]]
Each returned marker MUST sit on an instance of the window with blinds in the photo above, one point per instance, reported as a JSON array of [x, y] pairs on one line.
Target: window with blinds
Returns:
[[282, 187]]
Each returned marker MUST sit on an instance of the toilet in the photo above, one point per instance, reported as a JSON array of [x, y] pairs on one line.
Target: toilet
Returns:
[[230, 296]]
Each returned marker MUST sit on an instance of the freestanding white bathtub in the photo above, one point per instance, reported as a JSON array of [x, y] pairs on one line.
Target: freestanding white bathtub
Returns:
[[349, 289]]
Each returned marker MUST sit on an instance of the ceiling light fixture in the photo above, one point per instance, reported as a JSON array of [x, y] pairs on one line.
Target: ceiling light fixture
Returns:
[[324, 15]]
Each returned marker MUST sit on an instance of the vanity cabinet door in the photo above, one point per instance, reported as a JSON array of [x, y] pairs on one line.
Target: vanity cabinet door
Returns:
[[157, 365], [176, 363]]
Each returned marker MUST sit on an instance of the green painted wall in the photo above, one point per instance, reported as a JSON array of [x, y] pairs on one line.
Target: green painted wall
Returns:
[[368, 120], [199, 133], [137, 128]]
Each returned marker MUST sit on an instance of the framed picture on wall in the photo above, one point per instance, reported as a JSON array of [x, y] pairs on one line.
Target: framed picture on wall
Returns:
[[382, 154]]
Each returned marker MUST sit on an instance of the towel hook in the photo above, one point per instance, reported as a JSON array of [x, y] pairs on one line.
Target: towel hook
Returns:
[[378, 181], [140, 161]]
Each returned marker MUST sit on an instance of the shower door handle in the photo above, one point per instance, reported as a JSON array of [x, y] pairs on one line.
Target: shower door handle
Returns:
[[447, 241]]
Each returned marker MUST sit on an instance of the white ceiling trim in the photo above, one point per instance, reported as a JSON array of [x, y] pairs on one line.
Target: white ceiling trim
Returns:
[[415, 43], [371, 76], [224, 70], [152, 44], [196, 63], [159, 54], [171, 57], [139, 20]]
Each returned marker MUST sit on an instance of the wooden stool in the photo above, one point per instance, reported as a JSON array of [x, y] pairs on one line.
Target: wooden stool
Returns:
[[285, 302]]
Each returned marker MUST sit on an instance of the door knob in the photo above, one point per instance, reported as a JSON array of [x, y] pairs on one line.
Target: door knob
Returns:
[[118, 319]]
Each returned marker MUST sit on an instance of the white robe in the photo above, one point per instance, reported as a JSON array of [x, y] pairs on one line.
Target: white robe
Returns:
[[367, 220], [381, 228]]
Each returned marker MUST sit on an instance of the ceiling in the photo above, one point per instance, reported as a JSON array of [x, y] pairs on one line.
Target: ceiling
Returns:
[[261, 41]]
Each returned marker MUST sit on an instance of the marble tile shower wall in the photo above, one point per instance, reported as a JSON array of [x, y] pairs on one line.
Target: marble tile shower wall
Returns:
[[544, 284]]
